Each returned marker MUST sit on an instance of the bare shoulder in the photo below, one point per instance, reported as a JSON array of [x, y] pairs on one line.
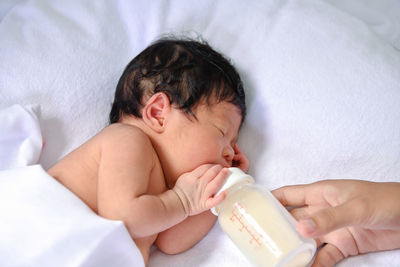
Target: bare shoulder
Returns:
[[123, 130], [128, 142], [123, 135]]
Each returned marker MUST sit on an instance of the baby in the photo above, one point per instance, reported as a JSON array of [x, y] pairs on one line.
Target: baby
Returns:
[[174, 125]]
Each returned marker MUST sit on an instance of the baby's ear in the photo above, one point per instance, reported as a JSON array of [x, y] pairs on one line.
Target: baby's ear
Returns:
[[155, 111]]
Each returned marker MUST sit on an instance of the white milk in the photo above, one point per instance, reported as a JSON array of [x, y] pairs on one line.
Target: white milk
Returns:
[[260, 226]]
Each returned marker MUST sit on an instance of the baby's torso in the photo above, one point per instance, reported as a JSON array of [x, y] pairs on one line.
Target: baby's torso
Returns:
[[79, 170]]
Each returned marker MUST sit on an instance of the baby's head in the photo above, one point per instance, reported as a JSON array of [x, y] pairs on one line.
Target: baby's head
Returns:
[[188, 99], [187, 71]]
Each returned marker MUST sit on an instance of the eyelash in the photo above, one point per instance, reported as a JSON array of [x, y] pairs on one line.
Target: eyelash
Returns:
[[223, 135], [220, 130]]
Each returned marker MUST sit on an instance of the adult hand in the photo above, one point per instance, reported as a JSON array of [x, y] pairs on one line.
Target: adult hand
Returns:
[[347, 217]]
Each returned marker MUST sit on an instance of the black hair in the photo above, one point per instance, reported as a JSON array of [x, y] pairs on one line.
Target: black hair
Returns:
[[187, 71]]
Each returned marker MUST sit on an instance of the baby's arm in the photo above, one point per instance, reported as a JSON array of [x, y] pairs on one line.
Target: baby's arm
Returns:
[[185, 234], [125, 169]]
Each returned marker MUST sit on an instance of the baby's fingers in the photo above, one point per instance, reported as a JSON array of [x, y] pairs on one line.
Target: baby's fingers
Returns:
[[240, 160], [215, 201], [215, 184], [206, 170]]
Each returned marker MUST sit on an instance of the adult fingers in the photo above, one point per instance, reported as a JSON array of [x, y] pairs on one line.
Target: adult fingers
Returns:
[[353, 212], [303, 213], [292, 195], [328, 256], [300, 213]]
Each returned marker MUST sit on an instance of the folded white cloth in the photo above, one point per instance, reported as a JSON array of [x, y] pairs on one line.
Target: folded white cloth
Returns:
[[44, 224], [6, 5], [20, 136]]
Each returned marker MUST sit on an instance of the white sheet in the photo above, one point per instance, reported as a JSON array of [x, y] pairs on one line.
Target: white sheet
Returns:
[[20, 136], [44, 224], [323, 84]]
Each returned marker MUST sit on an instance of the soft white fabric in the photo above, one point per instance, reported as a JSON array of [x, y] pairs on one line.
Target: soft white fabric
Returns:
[[44, 224], [322, 83], [7, 5], [381, 17], [20, 136]]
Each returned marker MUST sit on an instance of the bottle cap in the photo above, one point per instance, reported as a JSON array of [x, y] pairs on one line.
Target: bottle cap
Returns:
[[236, 176]]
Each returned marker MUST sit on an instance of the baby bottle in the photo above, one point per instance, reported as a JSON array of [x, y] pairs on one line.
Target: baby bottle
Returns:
[[260, 226]]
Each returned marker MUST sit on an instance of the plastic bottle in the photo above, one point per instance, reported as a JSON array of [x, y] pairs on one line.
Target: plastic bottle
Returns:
[[260, 226]]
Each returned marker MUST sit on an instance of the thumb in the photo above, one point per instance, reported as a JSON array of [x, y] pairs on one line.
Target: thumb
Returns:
[[353, 212]]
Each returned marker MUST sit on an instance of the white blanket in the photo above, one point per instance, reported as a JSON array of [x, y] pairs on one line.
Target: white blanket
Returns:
[[322, 80], [20, 136], [44, 224]]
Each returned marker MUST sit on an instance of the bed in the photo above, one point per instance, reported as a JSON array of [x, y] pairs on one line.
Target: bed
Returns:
[[322, 80]]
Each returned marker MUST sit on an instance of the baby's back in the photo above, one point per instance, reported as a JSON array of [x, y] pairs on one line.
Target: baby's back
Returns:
[[78, 171]]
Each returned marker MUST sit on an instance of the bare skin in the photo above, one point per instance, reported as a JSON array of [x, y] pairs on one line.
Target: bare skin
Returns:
[[81, 176], [164, 166], [347, 217]]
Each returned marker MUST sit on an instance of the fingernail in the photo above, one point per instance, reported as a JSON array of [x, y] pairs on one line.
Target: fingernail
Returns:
[[309, 225]]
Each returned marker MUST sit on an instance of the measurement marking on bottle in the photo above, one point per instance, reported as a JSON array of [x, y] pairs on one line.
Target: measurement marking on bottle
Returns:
[[237, 215]]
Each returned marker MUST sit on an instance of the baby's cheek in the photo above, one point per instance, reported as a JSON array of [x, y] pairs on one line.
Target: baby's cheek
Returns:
[[202, 155]]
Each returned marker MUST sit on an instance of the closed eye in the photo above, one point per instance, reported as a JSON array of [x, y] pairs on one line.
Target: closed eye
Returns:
[[220, 130]]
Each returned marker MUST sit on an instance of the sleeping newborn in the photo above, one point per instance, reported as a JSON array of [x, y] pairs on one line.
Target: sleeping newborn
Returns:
[[174, 125]]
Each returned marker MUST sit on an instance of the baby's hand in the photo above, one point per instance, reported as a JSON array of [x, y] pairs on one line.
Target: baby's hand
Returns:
[[196, 189], [240, 160]]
